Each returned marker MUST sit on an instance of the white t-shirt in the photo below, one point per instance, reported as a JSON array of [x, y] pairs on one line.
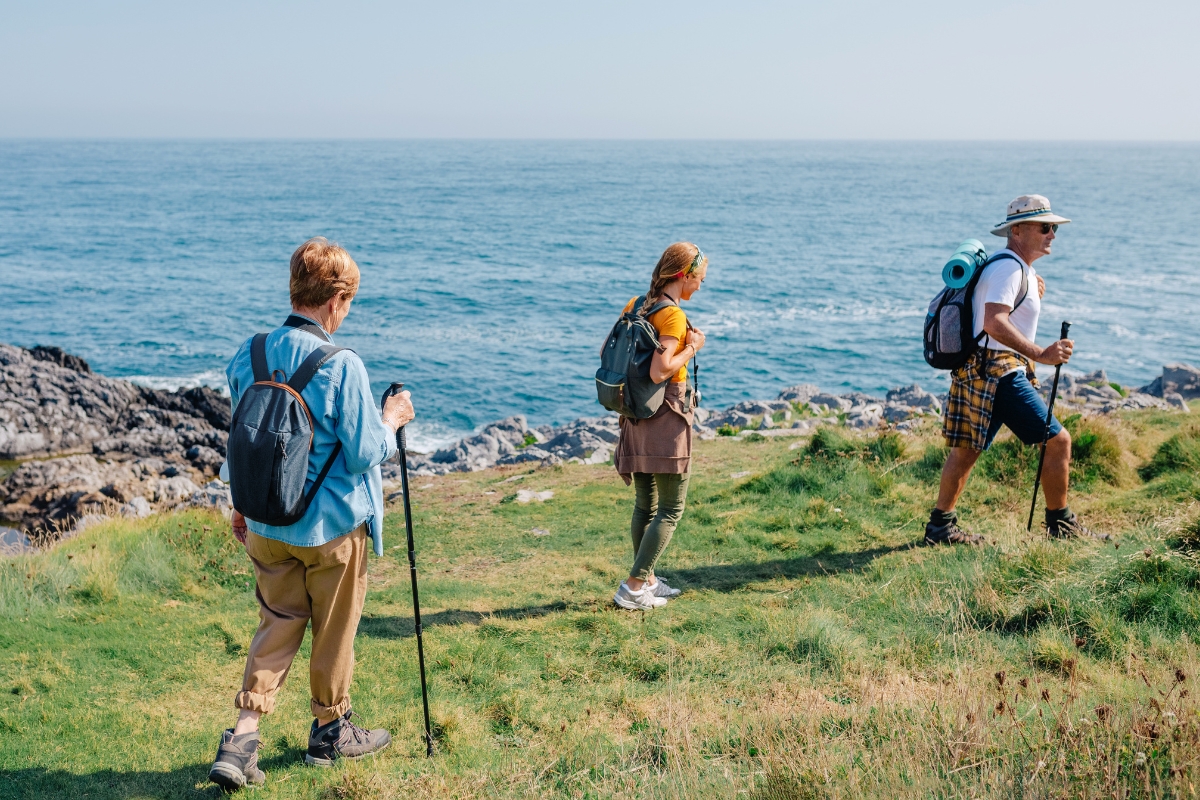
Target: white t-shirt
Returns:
[[1001, 283]]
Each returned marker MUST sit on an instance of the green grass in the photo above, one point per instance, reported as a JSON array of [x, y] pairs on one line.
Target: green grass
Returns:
[[816, 652]]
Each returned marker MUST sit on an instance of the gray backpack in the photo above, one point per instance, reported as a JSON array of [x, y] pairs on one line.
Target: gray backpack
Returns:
[[271, 437], [623, 381], [950, 338]]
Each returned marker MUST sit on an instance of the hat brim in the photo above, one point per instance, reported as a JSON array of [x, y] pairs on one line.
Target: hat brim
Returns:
[[1053, 219]]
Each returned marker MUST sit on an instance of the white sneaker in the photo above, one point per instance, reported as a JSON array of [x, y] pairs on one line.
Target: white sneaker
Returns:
[[641, 600], [660, 589]]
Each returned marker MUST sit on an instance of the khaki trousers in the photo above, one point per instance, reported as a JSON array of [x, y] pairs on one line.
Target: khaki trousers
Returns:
[[326, 584]]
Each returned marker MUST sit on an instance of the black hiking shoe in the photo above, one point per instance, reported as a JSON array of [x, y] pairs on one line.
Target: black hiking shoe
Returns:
[[343, 739], [1071, 528], [237, 762], [949, 533]]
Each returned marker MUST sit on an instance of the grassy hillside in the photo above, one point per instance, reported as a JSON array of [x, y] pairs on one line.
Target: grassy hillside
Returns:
[[816, 651]]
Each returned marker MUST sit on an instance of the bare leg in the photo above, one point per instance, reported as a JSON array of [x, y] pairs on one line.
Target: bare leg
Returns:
[[247, 721], [1057, 470], [955, 472]]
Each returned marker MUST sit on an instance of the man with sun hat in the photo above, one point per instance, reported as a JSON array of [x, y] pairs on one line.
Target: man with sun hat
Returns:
[[997, 385]]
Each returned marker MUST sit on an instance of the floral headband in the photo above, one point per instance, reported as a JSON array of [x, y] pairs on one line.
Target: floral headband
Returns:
[[696, 262]]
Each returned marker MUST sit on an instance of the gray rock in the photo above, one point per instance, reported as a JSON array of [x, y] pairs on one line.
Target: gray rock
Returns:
[[1154, 388], [1175, 400], [863, 417], [831, 402], [1137, 400], [526, 455], [759, 407], [137, 507], [731, 417], [1097, 378], [213, 494], [1183, 379], [766, 422], [205, 458], [485, 448], [894, 413], [1091, 393], [800, 393], [914, 396]]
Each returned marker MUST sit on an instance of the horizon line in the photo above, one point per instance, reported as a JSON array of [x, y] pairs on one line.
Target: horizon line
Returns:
[[590, 140]]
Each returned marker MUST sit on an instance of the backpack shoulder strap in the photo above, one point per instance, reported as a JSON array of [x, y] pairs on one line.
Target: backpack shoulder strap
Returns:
[[258, 357], [659, 306], [316, 359], [299, 322], [1024, 290]]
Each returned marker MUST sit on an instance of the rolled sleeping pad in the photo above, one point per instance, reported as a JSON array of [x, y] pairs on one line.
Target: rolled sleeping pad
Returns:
[[969, 256]]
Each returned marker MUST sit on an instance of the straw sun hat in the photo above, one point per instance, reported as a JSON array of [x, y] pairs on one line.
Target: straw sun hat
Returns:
[[1028, 208]]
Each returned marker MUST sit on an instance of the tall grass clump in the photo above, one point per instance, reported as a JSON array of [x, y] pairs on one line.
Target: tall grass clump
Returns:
[[125, 558], [1180, 453], [1097, 452]]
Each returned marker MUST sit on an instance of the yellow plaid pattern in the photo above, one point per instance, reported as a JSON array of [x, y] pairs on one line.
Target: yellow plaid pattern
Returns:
[[968, 412]]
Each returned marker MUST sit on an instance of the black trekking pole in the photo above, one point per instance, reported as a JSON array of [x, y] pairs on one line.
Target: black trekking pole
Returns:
[[401, 445], [1066, 327]]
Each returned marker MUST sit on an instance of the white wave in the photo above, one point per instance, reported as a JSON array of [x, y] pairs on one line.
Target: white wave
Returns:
[[428, 436], [213, 378]]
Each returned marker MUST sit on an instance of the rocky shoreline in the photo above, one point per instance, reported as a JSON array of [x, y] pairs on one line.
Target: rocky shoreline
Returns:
[[88, 446]]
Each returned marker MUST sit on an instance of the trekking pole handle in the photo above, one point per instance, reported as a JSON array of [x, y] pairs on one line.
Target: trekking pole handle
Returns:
[[394, 389], [1066, 329], [397, 388]]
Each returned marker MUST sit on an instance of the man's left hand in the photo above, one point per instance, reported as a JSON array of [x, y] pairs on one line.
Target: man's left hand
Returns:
[[1041, 287], [238, 523]]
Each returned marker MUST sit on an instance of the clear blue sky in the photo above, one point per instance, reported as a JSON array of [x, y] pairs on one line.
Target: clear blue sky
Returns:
[[930, 69]]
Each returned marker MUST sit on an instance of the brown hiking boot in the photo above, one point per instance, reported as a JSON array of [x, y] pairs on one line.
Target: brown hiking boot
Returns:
[[949, 533], [343, 739], [237, 762], [1071, 528]]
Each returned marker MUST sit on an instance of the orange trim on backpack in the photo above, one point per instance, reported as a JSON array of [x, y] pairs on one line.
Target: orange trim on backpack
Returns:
[[311, 425]]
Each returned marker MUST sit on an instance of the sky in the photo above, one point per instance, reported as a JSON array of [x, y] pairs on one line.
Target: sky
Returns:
[[856, 69]]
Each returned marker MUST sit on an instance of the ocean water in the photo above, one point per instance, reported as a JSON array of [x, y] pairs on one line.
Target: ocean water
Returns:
[[493, 270]]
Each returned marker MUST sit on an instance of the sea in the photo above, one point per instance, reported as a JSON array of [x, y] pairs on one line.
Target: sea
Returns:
[[493, 270]]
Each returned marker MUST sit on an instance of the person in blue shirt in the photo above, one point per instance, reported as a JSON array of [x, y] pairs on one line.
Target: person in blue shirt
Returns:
[[315, 569]]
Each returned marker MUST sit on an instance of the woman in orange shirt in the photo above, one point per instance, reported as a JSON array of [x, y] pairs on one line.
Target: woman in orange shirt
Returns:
[[655, 454]]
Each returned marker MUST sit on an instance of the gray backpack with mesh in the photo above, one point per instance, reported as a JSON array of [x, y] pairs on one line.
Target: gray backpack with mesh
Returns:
[[272, 435]]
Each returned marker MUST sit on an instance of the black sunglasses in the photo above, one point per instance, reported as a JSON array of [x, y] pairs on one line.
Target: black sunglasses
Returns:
[[1047, 227]]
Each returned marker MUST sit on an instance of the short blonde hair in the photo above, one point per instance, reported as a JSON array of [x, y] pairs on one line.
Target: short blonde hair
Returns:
[[320, 270]]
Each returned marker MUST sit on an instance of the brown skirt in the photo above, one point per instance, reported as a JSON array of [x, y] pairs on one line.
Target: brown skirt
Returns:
[[661, 444]]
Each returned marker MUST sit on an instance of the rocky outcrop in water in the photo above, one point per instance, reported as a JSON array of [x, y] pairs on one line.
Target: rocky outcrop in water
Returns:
[[131, 449]]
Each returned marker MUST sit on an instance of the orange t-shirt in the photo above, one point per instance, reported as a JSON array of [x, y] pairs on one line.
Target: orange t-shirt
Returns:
[[671, 321]]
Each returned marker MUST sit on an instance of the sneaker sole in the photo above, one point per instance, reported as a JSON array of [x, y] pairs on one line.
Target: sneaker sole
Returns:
[[630, 605], [228, 778], [317, 761]]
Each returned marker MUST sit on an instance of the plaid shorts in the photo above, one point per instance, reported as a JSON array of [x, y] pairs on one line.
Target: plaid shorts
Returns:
[[968, 412]]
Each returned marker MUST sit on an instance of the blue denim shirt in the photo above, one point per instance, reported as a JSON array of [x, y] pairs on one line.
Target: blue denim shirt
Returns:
[[339, 397]]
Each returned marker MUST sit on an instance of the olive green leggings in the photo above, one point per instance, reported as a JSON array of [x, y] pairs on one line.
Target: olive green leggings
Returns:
[[657, 508]]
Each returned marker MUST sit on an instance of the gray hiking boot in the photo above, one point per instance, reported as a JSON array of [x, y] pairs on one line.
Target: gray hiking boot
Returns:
[[237, 762], [343, 739], [949, 533], [1071, 528]]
